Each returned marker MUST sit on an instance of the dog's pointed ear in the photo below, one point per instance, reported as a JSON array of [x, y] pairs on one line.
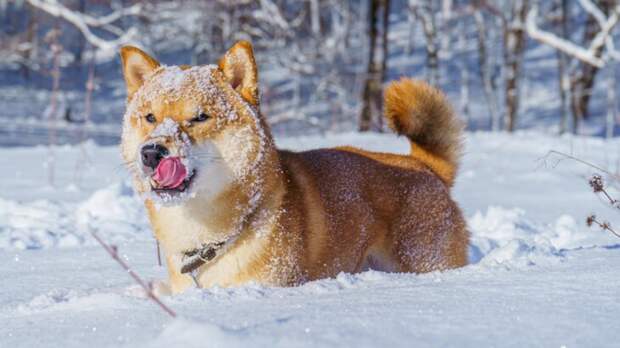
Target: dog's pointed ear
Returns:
[[136, 66], [239, 68]]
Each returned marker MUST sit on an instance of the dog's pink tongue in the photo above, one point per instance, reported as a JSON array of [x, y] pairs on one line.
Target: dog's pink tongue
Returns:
[[170, 173]]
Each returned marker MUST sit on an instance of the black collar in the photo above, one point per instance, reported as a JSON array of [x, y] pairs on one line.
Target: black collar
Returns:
[[193, 259]]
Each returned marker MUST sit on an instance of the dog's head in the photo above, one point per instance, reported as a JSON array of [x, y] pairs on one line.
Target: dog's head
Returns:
[[191, 131]]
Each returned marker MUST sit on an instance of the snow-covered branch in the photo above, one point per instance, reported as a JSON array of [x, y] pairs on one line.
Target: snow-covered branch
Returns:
[[593, 10], [568, 47], [591, 55], [270, 12], [607, 26], [84, 22]]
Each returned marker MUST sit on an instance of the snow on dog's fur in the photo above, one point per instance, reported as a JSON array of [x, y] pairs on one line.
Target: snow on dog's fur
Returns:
[[278, 217]]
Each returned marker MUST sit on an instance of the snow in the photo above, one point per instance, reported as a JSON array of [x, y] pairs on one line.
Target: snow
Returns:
[[538, 274], [167, 128], [46, 224], [171, 83]]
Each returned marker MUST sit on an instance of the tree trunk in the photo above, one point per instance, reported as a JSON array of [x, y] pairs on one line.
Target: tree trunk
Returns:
[[424, 13], [79, 54], [485, 71], [610, 123], [464, 71], [582, 79], [30, 55], [411, 36], [514, 45], [384, 58], [371, 115], [564, 80], [315, 18]]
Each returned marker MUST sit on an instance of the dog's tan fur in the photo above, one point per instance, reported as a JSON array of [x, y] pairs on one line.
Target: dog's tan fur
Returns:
[[298, 216]]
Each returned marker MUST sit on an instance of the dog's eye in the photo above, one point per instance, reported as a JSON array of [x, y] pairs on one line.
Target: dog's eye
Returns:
[[201, 118], [150, 118]]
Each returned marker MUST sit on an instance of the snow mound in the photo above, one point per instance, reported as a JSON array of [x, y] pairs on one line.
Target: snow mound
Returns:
[[506, 236], [254, 291], [41, 224], [68, 299], [35, 225], [115, 208]]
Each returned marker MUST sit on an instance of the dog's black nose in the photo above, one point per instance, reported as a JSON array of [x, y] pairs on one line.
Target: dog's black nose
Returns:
[[152, 154]]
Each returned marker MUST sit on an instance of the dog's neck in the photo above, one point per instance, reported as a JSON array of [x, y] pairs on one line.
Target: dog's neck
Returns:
[[258, 223], [247, 252], [251, 160]]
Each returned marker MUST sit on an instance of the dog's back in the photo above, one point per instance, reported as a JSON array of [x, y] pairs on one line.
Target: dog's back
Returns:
[[363, 209], [359, 212]]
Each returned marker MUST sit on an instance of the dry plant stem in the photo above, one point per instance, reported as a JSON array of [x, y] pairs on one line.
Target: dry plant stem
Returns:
[[56, 49], [603, 225], [597, 186], [612, 201], [565, 155], [90, 86], [114, 253], [158, 255]]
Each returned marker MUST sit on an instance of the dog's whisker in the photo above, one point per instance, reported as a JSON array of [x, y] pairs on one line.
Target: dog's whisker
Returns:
[[128, 163], [208, 157], [204, 154]]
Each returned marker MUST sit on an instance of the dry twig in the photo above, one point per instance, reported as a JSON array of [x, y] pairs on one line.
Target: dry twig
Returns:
[[113, 251], [591, 220], [598, 186], [546, 157], [596, 183]]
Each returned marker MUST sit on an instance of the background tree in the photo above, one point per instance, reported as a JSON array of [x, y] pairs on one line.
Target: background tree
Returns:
[[372, 100], [324, 62]]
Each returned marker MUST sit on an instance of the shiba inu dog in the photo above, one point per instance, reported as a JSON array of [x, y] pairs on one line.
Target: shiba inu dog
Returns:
[[228, 207]]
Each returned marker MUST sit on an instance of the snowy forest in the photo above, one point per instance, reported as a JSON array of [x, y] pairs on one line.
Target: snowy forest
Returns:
[[531, 184], [506, 65]]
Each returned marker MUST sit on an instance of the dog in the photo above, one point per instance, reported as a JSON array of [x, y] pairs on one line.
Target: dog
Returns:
[[228, 207]]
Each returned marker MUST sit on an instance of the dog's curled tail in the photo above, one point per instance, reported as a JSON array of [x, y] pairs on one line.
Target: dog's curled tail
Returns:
[[422, 113]]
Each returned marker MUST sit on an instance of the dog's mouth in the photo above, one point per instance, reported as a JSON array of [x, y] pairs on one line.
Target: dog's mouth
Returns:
[[184, 186], [171, 176]]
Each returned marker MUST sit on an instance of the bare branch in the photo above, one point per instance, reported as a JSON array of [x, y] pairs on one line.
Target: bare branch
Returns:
[[83, 22], [271, 13], [606, 226], [567, 156], [149, 291], [606, 24], [585, 55], [593, 10], [593, 54]]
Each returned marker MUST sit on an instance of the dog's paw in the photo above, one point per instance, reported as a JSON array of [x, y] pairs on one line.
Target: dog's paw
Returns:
[[160, 288]]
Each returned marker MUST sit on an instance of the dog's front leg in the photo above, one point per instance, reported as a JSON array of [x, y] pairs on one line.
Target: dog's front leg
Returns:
[[179, 282]]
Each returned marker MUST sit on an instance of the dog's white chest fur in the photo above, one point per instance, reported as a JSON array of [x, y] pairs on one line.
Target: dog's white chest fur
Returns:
[[179, 231]]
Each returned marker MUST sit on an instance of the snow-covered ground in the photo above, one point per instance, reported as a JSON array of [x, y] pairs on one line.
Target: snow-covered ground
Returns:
[[539, 276]]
